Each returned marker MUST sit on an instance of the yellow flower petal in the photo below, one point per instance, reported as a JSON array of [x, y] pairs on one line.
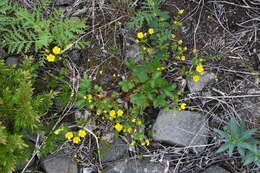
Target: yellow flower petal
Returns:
[[199, 68], [56, 50], [183, 58], [151, 31], [119, 127], [82, 133], [76, 140], [112, 114], [69, 135], [196, 78], [51, 58], [120, 112], [180, 11], [140, 35], [183, 106]]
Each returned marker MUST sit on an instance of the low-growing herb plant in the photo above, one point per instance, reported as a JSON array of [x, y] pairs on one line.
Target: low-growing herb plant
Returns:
[[24, 31], [20, 110], [146, 85], [238, 137]]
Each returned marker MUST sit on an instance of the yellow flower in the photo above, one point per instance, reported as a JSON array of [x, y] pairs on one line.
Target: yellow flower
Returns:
[[140, 35], [180, 11], [82, 133], [199, 68], [173, 36], [196, 78], [99, 112], [69, 135], [120, 112], [47, 50], [56, 132], [129, 130], [89, 97], [158, 68], [134, 120], [76, 140], [147, 142], [151, 31], [112, 114], [133, 143], [183, 58], [51, 58], [194, 51], [185, 48], [139, 122], [180, 42], [56, 50], [137, 41], [143, 143], [183, 106], [100, 72], [118, 127]]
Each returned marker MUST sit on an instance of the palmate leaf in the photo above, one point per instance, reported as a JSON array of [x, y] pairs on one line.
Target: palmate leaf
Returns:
[[247, 134], [223, 148], [222, 133]]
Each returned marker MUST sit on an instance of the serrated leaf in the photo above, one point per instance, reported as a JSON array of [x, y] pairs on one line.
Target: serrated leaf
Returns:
[[126, 85]]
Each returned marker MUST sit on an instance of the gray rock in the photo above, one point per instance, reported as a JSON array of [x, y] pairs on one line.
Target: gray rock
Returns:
[[133, 51], [118, 150], [63, 2], [215, 169], [88, 170], [59, 163], [185, 129], [12, 60], [135, 166], [204, 80]]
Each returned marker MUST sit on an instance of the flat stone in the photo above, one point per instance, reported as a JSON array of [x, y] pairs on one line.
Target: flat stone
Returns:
[[63, 2], [135, 166], [59, 163], [117, 151], [204, 80], [183, 128], [12, 60], [215, 169]]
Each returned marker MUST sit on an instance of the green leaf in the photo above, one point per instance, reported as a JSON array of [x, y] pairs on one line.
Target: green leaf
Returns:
[[139, 99], [141, 75], [223, 148], [249, 159], [80, 103], [248, 134], [126, 85], [156, 75], [230, 150], [222, 133]]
